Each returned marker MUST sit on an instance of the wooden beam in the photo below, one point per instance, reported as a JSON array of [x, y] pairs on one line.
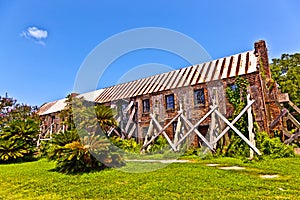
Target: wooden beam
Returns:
[[110, 131], [150, 129], [178, 127], [193, 128], [116, 132], [133, 128], [197, 124], [282, 113], [130, 120], [238, 132], [289, 116], [279, 105], [286, 132], [161, 130], [292, 138], [294, 106], [178, 130], [294, 120], [234, 121], [250, 127], [212, 128], [128, 107]]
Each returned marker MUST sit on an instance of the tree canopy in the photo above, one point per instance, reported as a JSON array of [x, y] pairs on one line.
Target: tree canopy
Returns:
[[19, 127], [286, 72]]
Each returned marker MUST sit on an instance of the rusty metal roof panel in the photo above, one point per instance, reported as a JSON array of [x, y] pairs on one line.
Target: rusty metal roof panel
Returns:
[[45, 107], [171, 82], [183, 77], [202, 71], [128, 92], [150, 84], [210, 71], [231, 66], [242, 65], [91, 96], [140, 84], [166, 81], [225, 67], [252, 66], [157, 84], [122, 87], [114, 92], [58, 106], [196, 75], [217, 71], [153, 84], [104, 93], [190, 75], [177, 79]]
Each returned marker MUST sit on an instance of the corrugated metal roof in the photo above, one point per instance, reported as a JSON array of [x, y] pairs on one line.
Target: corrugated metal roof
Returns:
[[56, 107], [59, 105], [235, 65], [91, 96], [45, 107]]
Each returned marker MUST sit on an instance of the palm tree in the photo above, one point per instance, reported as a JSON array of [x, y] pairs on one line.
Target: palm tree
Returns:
[[105, 117], [95, 118], [18, 139]]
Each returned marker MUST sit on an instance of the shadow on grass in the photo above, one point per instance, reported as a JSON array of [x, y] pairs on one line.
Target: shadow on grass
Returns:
[[20, 160]]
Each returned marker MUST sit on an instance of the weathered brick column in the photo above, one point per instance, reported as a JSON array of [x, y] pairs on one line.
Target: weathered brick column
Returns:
[[268, 85]]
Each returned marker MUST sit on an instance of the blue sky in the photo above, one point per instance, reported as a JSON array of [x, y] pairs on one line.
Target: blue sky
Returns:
[[44, 43]]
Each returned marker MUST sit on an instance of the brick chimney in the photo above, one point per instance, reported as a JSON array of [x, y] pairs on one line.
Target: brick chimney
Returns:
[[269, 87], [261, 51]]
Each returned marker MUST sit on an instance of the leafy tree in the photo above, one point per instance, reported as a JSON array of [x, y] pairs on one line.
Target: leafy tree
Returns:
[[95, 118], [67, 114], [85, 147], [286, 72], [19, 127]]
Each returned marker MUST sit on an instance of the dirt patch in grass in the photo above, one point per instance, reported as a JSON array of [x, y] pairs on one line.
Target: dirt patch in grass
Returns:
[[212, 164], [232, 168], [269, 176]]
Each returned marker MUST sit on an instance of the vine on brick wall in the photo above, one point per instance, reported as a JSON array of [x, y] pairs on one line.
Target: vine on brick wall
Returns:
[[237, 96], [271, 147]]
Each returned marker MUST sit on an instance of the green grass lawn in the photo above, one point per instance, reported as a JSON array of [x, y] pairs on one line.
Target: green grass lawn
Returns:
[[194, 180]]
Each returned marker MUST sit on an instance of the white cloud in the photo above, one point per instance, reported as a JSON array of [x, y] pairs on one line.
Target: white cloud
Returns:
[[36, 34]]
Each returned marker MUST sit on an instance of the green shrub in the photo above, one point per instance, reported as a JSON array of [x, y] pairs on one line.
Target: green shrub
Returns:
[[127, 145], [58, 141], [43, 148], [159, 146], [67, 137], [12, 150], [74, 157], [18, 140], [74, 154], [192, 150], [237, 147], [273, 147], [202, 152]]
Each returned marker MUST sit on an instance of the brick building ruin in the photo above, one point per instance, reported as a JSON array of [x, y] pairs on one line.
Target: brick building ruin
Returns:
[[191, 89]]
